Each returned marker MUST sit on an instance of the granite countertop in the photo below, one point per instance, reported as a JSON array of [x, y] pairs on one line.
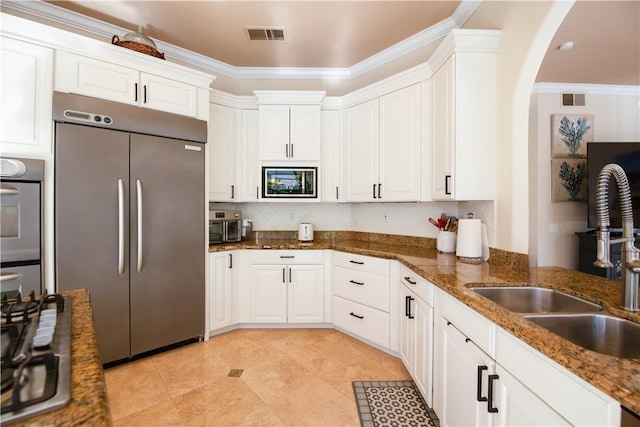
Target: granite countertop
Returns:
[[617, 377], [88, 404]]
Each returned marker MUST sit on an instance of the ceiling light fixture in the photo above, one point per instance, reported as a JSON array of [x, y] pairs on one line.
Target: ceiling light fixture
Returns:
[[566, 46]]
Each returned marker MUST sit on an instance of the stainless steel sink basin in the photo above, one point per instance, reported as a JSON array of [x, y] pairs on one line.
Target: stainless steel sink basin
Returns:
[[598, 332], [535, 300]]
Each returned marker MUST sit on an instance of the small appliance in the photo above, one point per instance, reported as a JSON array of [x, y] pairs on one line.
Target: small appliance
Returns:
[[305, 232], [225, 226]]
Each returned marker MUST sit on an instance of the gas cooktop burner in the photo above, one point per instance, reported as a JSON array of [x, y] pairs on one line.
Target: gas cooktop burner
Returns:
[[35, 356]]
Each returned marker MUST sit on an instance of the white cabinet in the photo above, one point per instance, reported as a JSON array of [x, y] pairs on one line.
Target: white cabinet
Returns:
[[221, 146], [465, 127], [102, 79], [220, 290], [27, 90], [485, 376], [288, 286], [361, 294], [463, 394], [289, 132], [382, 147], [330, 165], [416, 330], [249, 164]]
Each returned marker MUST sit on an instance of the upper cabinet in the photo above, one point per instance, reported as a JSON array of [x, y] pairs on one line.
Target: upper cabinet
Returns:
[[221, 145], [100, 79], [464, 108], [26, 82], [383, 148], [289, 125]]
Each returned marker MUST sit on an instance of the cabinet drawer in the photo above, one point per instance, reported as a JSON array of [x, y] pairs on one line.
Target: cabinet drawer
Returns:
[[480, 329], [363, 321], [364, 288], [361, 263], [286, 257], [421, 287]]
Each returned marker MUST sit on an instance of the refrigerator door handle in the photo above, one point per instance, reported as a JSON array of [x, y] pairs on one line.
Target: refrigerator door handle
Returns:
[[139, 191], [120, 227]]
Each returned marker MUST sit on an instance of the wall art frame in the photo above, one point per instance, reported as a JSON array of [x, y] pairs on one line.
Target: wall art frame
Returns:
[[570, 134], [569, 179]]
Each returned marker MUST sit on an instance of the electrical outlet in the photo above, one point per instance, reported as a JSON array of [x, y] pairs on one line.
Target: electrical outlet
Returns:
[[385, 218], [292, 215]]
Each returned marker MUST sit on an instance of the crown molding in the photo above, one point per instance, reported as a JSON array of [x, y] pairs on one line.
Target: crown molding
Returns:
[[286, 97], [104, 31], [591, 89]]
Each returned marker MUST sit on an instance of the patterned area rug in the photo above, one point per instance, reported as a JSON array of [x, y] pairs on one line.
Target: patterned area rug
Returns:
[[392, 403]]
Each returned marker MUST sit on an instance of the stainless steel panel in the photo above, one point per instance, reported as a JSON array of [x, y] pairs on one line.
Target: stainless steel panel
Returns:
[[89, 163], [20, 219], [167, 296], [23, 278], [130, 118]]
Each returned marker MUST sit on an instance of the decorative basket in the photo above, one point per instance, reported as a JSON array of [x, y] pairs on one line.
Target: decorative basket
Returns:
[[138, 47]]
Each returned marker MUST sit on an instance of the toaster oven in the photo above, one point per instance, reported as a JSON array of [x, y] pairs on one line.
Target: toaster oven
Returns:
[[225, 227]]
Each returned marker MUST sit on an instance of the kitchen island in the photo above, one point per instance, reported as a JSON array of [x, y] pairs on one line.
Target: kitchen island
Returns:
[[617, 377], [88, 404]]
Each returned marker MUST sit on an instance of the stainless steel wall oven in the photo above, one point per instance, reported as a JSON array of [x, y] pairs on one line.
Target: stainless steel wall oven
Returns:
[[21, 225]]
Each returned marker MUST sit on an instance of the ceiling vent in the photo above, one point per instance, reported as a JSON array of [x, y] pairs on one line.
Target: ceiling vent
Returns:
[[573, 100], [265, 34]]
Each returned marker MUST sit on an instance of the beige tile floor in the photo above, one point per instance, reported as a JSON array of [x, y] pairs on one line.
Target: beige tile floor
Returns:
[[291, 377]]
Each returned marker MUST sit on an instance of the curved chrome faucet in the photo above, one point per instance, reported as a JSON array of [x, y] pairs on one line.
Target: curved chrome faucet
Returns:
[[629, 253]]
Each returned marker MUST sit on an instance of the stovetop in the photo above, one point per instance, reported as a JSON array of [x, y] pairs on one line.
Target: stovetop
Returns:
[[35, 355]]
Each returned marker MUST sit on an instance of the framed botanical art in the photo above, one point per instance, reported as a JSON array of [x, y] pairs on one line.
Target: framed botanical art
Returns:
[[568, 180], [570, 134]]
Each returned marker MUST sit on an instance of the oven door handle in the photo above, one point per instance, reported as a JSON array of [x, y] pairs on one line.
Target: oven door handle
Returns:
[[120, 227], [10, 276], [139, 191], [9, 191]]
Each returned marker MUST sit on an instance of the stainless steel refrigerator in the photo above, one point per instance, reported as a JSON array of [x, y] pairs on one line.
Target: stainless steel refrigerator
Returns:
[[130, 221]]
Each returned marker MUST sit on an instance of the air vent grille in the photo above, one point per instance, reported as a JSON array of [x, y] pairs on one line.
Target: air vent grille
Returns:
[[265, 34], [573, 99]]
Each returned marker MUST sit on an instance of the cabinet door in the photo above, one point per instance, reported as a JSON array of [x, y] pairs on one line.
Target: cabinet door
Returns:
[[361, 152], [331, 159], [519, 406], [464, 373], [27, 75], [305, 293], [103, 80], [269, 296], [274, 132], [400, 132], [249, 166], [443, 133], [407, 329], [220, 290], [304, 126], [423, 348], [168, 95], [221, 148]]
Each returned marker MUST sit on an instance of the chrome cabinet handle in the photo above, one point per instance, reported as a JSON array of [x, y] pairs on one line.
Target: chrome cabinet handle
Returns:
[[139, 191], [9, 191], [120, 227], [10, 276]]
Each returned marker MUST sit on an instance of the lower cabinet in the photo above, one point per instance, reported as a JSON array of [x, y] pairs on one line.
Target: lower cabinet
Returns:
[[221, 290], [284, 291], [416, 331]]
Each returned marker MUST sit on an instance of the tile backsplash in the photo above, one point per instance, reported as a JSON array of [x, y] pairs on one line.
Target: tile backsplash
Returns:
[[407, 219]]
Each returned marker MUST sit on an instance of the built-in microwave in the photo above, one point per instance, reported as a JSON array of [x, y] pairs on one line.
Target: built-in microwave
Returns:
[[225, 227], [287, 182]]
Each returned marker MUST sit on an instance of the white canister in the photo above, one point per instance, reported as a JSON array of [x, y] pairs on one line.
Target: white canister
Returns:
[[305, 232], [469, 244], [446, 242]]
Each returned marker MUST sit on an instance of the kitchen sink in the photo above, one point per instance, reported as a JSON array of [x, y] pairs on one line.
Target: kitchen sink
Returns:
[[535, 300], [601, 333]]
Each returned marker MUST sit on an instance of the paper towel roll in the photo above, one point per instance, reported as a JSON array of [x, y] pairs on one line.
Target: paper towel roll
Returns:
[[469, 243]]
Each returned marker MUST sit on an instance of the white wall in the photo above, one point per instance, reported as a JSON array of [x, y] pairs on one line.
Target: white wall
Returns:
[[616, 112]]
